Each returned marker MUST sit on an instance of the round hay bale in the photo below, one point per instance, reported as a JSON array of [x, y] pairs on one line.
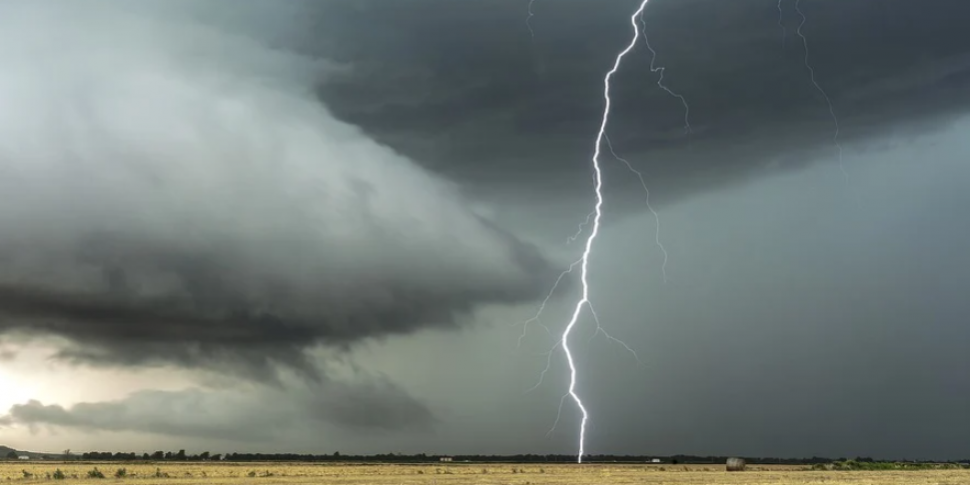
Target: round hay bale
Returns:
[[735, 464]]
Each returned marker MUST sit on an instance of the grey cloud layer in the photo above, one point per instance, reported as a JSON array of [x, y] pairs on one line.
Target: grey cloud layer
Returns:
[[181, 198], [474, 82]]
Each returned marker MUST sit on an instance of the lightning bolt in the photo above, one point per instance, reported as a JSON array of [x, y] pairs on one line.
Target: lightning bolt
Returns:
[[594, 230], [595, 216], [660, 81], [687, 130], [656, 217], [781, 24], [537, 318], [579, 230], [601, 330], [528, 20], [828, 101]]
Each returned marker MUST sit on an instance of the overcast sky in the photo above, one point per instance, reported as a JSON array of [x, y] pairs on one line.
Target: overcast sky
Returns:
[[313, 226]]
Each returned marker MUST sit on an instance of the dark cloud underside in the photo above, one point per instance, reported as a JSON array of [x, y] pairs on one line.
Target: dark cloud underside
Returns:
[[466, 90]]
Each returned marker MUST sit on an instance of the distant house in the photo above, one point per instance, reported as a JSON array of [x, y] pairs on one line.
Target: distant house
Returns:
[[655, 460], [23, 457], [445, 458]]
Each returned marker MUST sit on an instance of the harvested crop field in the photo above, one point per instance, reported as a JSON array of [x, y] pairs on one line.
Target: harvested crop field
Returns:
[[457, 473]]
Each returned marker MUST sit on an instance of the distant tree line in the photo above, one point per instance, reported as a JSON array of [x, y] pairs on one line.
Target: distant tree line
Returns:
[[182, 456], [871, 465]]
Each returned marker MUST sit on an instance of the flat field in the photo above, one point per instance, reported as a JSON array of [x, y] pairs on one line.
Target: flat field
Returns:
[[168, 473]]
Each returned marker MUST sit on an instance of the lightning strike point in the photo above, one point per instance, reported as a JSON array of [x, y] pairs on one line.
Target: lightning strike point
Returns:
[[828, 101]]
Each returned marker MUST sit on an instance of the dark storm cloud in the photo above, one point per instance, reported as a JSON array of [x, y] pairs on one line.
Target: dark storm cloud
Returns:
[[449, 81], [238, 415], [803, 315], [215, 317], [175, 194], [181, 198]]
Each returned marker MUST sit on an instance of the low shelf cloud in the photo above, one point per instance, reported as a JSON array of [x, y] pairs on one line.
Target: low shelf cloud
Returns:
[[177, 196]]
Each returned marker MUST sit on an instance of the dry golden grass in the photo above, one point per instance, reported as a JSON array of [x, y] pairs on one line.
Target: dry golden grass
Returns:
[[456, 474]]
